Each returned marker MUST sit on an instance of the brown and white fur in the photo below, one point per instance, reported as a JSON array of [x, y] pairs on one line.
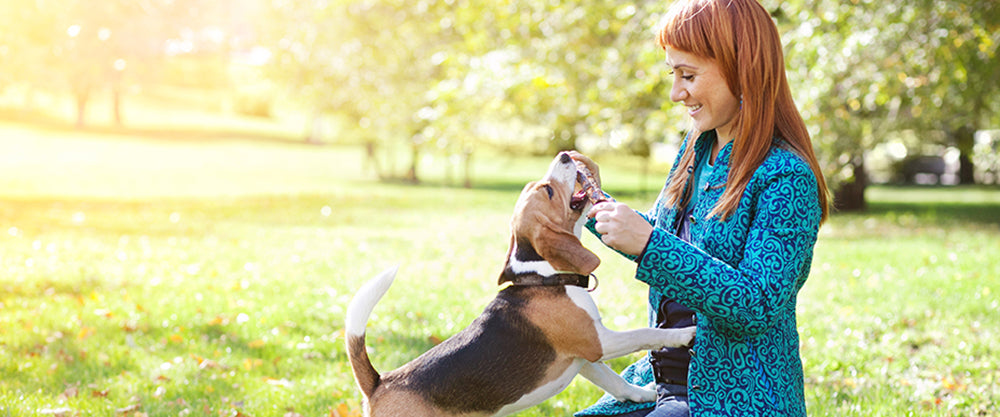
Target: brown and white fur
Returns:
[[529, 342]]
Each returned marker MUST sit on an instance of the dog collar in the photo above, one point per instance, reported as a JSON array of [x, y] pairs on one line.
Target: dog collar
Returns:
[[557, 279]]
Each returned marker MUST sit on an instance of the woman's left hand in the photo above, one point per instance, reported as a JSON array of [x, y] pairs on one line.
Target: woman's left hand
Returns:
[[621, 227]]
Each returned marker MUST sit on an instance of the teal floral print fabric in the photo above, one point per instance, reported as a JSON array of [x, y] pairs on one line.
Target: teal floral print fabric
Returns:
[[741, 276]]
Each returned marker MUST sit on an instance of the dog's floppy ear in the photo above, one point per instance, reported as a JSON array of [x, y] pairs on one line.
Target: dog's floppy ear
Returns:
[[564, 251], [504, 277]]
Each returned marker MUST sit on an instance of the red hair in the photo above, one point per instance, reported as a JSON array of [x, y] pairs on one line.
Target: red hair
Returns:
[[741, 38]]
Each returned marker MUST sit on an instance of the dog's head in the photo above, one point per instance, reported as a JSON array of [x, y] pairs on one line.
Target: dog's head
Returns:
[[547, 223]]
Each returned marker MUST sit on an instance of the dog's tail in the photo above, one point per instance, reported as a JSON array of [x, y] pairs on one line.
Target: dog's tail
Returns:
[[357, 318]]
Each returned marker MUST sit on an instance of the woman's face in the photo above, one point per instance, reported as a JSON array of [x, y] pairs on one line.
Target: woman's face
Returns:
[[698, 83]]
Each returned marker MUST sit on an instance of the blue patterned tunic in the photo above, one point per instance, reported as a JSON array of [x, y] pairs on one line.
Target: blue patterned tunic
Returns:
[[741, 277]]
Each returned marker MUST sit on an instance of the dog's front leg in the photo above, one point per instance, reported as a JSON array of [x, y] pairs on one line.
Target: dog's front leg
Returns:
[[612, 383], [616, 344]]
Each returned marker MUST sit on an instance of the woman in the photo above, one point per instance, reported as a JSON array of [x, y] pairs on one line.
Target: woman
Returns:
[[731, 236]]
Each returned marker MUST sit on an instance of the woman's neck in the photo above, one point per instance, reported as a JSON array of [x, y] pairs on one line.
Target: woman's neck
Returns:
[[720, 142]]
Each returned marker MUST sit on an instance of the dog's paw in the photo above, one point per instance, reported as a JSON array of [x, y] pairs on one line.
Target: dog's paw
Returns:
[[637, 394], [677, 337], [687, 335]]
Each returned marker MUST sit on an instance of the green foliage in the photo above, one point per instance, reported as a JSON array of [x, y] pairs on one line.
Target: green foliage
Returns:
[[865, 69], [541, 76], [454, 76]]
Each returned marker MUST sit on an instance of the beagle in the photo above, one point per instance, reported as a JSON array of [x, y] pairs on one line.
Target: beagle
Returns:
[[532, 339]]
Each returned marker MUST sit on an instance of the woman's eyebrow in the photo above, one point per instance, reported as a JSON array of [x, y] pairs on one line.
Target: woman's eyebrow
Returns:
[[681, 66]]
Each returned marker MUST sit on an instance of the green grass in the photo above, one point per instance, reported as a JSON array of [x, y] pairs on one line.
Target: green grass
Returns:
[[209, 277]]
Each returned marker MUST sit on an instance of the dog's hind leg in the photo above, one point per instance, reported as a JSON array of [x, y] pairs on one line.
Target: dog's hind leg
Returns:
[[612, 383]]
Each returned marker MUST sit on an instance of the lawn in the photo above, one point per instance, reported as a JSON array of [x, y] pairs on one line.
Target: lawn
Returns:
[[168, 276]]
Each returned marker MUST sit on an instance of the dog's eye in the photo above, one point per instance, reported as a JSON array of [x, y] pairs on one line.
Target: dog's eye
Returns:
[[549, 189]]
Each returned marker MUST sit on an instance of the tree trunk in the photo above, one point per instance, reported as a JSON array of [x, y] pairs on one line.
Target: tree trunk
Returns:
[[467, 159], [411, 175], [371, 159], [850, 195], [314, 134], [965, 141], [116, 105], [82, 96]]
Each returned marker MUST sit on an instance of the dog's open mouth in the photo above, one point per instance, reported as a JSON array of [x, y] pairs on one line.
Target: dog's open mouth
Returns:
[[585, 189]]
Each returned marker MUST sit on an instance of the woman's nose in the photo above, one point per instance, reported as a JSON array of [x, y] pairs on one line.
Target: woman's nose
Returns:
[[677, 93]]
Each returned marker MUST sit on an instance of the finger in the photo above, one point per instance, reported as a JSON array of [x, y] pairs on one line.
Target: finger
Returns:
[[602, 206], [601, 228]]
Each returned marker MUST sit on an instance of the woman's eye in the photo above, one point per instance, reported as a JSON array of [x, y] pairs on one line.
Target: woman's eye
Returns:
[[685, 77]]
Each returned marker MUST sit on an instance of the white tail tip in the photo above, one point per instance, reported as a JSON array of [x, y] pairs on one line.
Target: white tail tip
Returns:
[[365, 299]]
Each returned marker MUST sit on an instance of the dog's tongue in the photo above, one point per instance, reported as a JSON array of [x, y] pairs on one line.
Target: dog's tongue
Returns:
[[578, 200]]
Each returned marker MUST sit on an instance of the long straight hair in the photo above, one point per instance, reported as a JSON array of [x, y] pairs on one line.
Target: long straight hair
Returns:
[[741, 38]]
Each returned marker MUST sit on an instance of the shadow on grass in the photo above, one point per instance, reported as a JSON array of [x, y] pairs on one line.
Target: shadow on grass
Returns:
[[944, 206], [941, 213], [48, 123]]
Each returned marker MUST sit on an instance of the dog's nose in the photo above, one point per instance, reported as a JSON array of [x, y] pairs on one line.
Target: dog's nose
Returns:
[[564, 158]]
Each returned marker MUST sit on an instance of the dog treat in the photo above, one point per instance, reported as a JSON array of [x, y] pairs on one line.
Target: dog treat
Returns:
[[589, 183]]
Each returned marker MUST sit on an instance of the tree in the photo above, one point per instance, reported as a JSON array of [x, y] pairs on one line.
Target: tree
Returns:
[[962, 72], [82, 46], [451, 75], [372, 62], [864, 70]]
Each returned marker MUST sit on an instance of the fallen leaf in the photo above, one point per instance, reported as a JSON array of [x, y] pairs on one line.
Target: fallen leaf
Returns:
[[70, 392], [129, 326], [278, 382], [99, 393], [249, 364], [343, 410], [58, 412], [130, 409], [84, 333]]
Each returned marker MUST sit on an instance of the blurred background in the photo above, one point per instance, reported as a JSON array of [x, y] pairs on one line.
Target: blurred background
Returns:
[[901, 92], [192, 190]]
